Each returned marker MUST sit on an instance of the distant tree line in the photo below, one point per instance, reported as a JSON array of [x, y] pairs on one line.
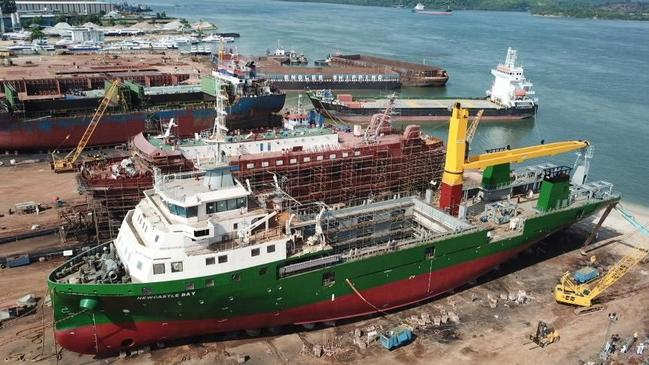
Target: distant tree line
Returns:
[[605, 9]]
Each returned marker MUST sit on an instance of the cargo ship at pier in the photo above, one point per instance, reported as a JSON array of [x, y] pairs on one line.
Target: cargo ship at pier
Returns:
[[201, 253], [50, 113], [511, 97]]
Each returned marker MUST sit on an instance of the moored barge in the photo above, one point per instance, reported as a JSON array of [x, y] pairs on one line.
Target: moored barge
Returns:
[[511, 97]]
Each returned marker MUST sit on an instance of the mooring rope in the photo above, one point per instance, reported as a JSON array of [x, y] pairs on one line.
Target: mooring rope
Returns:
[[363, 298]]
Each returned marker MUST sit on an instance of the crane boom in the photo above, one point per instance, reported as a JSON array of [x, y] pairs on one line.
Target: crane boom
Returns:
[[617, 271], [474, 126], [456, 160], [569, 292], [67, 162], [522, 154]]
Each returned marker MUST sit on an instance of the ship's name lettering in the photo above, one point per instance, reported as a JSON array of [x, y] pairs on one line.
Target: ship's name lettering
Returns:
[[167, 296]]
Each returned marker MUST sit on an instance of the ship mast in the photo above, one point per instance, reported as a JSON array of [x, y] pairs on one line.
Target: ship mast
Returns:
[[219, 130]]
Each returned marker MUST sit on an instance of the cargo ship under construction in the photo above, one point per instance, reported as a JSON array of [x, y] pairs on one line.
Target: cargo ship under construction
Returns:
[[349, 72], [202, 253], [511, 97], [47, 111], [308, 163]]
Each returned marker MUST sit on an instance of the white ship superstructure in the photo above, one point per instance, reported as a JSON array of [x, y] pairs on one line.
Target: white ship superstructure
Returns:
[[215, 146], [197, 224], [510, 87]]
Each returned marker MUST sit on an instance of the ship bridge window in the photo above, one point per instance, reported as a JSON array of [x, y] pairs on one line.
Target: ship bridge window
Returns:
[[210, 260], [224, 205], [254, 252], [201, 233], [177, 266], [185, 212], [223, 259], [158, 269], [270, 249]]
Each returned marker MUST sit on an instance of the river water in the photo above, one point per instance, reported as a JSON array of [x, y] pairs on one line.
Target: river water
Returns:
[[591, 76]]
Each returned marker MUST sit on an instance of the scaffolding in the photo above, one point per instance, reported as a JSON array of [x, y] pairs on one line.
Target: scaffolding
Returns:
[[112, 190], [350, 174], [76, 222], [341, 175]]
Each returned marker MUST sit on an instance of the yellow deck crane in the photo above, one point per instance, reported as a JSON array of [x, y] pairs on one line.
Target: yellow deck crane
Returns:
[[570, 292], [457, 160], [67, 163]]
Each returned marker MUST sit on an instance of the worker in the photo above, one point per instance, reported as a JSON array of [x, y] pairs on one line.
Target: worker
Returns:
[[640, 349]]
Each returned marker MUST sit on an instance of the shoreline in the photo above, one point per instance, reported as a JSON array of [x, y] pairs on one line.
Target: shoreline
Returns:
[[621, 17]]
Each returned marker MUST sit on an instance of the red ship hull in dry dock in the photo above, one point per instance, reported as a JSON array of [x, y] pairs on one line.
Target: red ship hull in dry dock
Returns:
[[50, 132]]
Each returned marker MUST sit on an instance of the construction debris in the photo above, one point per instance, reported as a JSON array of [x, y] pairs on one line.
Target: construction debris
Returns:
[[21, 307]]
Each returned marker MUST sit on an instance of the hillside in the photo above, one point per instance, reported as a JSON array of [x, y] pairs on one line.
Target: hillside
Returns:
[[600, 9]]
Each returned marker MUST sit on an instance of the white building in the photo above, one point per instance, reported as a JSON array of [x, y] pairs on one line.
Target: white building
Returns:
[[65, 7], [80, 35]]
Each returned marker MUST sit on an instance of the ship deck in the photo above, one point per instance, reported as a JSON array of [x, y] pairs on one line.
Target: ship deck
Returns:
[[430, 103], [267, 135]]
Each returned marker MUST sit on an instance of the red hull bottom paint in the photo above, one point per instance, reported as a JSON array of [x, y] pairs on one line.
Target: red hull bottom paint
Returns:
[[115, 336]]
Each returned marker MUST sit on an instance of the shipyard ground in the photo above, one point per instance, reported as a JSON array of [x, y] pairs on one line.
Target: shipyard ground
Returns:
[[17, 186], [487, 332]]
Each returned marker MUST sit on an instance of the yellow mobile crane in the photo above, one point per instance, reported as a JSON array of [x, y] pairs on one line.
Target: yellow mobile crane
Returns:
[[66, 163], [570, 292]]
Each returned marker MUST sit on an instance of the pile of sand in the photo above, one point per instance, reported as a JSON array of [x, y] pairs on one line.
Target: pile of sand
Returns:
[[203, 25], [91, 25], [145, 27], [173, 25]]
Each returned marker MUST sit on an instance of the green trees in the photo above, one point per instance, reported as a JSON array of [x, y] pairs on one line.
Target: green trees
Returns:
[[609, 9], [8, 6], [36, 33]]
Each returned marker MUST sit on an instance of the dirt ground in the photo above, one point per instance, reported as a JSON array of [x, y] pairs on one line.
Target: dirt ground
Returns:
[[484, 335], [35, 182], [37, 66]]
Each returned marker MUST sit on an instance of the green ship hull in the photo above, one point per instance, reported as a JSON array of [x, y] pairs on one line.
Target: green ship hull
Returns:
[[97, 318]]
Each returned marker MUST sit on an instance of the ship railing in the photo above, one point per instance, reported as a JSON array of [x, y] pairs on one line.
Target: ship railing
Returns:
[[377, 249], [232, 242], [73, 264], [597, 190], [162, 179]]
